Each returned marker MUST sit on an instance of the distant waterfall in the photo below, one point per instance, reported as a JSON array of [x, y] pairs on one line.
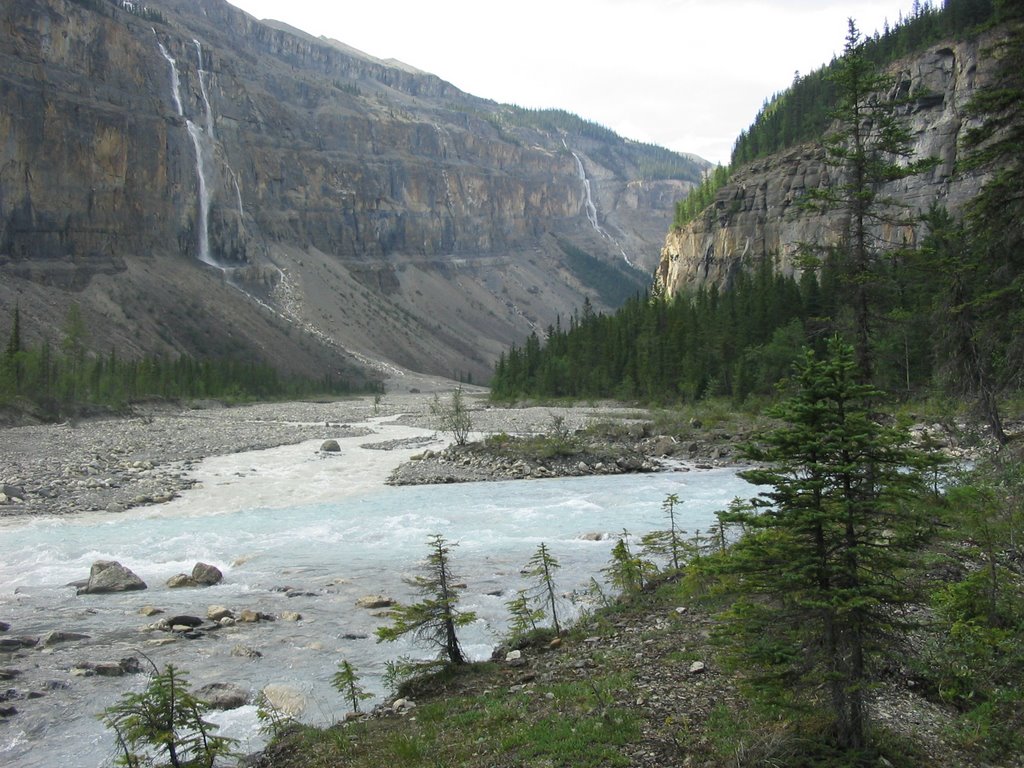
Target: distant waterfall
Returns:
[[590, 206], [238, 195], [195, 132], [202, 90], [175, 80], [204, 142]]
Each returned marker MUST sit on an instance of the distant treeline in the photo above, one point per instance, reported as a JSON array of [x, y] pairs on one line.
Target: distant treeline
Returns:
[[741, 341], [735, 343], [803, 111], [66, 378]]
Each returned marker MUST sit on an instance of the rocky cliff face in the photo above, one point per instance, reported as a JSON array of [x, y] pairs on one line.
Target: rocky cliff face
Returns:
[[756, 215], [200, 181]]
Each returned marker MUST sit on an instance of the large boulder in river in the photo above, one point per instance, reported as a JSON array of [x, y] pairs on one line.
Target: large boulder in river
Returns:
[[108, 576], [203, 575], [374, 601], [285, 698], [179, 580], [206, 575], [223, 695], [330, 446]]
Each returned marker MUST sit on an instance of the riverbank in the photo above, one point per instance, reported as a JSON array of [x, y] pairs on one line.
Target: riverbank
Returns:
[[116, 463]]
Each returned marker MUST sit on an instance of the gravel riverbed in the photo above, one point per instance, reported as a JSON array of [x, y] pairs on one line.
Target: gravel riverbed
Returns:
[[115, 463]]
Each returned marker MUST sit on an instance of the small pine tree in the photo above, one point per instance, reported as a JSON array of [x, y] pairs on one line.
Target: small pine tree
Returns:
[[434, 619], [523, 616], [346, 682], [626, 571], [669, 543], [168, 719], [542, 567]]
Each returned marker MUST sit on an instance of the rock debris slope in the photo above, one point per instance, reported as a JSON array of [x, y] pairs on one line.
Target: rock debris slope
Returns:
[[201, 181]]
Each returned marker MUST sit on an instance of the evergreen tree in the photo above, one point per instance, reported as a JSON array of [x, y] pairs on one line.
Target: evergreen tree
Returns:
[[821, 563], [541, 567], [14, 342], [627, 571], [346, 682], [668, 543], [869, 148], [992, 291], [522, 614], [436, 617], [168, 718]]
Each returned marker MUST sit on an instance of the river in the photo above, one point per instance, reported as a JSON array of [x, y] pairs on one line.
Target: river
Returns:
[[293, 530]]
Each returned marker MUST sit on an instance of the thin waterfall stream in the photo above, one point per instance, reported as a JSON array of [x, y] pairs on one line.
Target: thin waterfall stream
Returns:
[[591, 207]]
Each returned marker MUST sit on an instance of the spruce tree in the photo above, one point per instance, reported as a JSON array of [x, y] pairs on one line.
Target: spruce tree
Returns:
[[991, 293], [669, 543], [868, 149], [541, 568], [165, 718], [824, 548], [346, 682], [436, 617]]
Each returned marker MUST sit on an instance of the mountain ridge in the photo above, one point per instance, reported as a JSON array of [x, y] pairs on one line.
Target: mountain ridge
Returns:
[[355, 210], [756, 215]]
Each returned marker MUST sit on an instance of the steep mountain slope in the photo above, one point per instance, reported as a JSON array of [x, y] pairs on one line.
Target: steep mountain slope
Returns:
[[200, 181], [757, 215]]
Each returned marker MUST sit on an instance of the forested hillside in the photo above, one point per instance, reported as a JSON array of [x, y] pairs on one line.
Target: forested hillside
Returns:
[[804, 110], [939, 316]]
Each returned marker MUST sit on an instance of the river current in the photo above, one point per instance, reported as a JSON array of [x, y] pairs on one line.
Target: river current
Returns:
[[294, 530]]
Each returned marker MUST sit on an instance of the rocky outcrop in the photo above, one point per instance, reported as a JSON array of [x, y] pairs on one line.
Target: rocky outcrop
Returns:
[[757, 214], [202, 181]]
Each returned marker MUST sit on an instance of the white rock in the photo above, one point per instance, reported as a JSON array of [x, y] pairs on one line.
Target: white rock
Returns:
[[285, 698], [218, 612]]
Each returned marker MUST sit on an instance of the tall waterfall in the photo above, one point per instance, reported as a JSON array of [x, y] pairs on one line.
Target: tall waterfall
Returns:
[[238, 196], [202, 90], [175, 80], [591, 207], [195, 134]]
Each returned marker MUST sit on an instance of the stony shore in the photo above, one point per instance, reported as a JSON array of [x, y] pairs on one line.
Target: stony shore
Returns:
[[143, 458]]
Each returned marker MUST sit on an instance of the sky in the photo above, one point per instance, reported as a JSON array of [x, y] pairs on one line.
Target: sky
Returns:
[[685, 74]]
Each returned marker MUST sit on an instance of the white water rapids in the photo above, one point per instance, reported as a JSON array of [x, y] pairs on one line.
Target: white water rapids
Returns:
[[325, 526]]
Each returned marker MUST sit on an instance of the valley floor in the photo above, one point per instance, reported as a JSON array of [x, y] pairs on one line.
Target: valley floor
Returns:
[[115, 463]]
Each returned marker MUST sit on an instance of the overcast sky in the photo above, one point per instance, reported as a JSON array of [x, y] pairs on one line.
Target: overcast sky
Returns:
[[685, 74]]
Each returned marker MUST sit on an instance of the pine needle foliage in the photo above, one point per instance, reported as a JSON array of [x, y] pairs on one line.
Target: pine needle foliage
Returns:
[[827, 548], [435, 619], [165, 718], [670, 543], [541, 568], [346, 682]]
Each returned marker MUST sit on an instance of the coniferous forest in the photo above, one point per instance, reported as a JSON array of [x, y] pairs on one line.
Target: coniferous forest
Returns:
[[62, 379], [942, 317]]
